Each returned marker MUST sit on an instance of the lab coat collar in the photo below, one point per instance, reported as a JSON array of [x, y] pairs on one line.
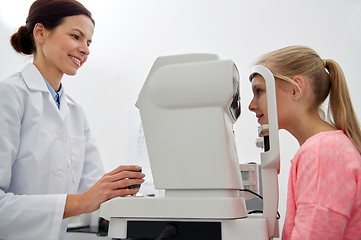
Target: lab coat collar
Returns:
[[33, 78], [35, 82]]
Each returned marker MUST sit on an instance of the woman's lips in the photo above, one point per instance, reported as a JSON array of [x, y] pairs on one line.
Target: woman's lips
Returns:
[[76, 60], [259, 116]]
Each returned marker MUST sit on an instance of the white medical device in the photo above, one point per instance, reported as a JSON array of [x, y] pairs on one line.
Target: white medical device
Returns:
[[188, 105], [270, 159]]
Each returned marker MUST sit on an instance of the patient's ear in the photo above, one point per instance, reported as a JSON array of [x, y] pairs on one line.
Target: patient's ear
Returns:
[[299, 88]]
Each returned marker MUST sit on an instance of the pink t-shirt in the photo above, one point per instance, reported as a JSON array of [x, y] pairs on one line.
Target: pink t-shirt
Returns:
[[324, 190]]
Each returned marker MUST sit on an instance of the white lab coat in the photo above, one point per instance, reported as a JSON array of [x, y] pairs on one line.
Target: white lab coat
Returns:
[[45, 153]]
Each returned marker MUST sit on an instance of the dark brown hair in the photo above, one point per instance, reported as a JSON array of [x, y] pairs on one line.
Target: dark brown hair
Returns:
[[51, 14]]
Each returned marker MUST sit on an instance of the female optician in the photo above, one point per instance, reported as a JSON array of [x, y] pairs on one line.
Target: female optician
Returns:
[[50, 167]]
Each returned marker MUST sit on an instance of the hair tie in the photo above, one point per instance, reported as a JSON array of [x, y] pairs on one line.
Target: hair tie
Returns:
[[324, 63]]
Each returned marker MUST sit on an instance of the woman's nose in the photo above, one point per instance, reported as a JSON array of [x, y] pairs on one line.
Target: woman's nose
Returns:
[[85, 49], [252, 106]]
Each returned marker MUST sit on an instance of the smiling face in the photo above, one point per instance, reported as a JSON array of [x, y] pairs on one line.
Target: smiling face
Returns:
[[64, 49]]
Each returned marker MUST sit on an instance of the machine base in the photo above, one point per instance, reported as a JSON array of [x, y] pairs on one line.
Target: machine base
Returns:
[[253, 227]]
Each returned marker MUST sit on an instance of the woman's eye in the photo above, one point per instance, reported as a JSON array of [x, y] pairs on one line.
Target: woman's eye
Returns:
[[75, 36], [258, 91]]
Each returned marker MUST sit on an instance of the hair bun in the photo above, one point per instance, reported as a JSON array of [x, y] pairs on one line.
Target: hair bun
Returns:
[[23, 42]]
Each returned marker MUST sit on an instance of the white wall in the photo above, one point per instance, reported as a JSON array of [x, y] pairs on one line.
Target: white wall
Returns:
[[131, 34]]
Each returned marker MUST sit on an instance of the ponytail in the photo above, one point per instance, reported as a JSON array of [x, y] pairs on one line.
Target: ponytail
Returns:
[[340, 111]]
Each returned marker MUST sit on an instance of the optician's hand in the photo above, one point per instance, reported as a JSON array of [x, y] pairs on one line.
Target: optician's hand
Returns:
[[112, 184]]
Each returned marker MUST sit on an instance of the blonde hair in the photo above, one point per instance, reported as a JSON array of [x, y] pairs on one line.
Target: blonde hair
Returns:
[[326, 79]]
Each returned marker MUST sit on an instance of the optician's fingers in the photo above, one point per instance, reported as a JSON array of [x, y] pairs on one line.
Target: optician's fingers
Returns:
[[121, 168], [125, 175], [125, 183]]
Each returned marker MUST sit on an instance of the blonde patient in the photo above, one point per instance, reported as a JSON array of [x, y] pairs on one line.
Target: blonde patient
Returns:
[[324, 189]]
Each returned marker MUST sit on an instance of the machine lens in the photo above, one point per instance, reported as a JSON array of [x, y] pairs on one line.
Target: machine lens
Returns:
[[235, 107]]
